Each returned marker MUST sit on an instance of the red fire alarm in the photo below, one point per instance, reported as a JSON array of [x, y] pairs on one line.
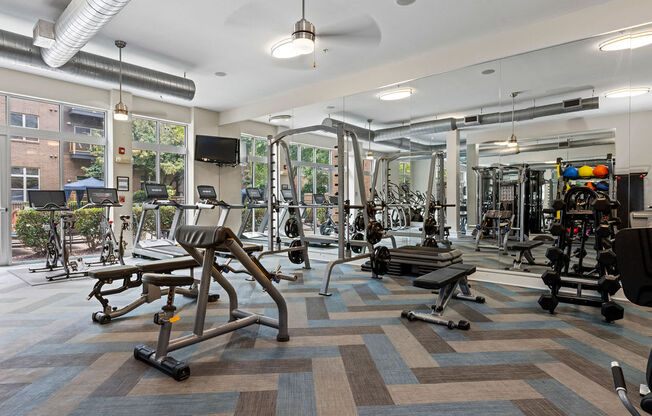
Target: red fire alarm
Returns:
[[121, 198], [121, 150]]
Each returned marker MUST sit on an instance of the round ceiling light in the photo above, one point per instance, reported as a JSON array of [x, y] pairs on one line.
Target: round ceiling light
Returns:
[[220, 74], [397, 94], [630, 41], [279, 118], [284, 49], [488, 71], [627, 92]]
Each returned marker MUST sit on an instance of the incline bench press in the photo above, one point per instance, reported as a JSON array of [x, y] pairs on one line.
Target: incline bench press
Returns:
[[211, 239], [445, 281], [132, 277]]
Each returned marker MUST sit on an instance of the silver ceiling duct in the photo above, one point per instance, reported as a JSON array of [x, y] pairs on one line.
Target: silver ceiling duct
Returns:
[[423, 128], [571, 144], [17, 50], [364, 135], [78, 23], [568, 106]]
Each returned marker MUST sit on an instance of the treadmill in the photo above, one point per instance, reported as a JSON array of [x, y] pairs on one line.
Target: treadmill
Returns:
[[208, 200], [255, 200], [159, 248]]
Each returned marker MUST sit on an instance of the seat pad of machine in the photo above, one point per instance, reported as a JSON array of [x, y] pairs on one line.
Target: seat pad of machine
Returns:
[[165, 265], [439, 278], [524, 245], [157, 279], [431, 253], [112, 272], [202, 236]]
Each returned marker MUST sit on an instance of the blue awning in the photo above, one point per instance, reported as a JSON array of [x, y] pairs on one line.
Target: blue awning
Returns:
[[79, 187]]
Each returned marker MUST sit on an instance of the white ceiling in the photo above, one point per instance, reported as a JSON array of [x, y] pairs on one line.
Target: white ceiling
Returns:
[[201, 37], [577, 69]]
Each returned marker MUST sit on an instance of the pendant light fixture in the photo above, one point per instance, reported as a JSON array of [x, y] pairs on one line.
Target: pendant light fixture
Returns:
[[511, 142], [301, 42], [121, 112], [370, 154]]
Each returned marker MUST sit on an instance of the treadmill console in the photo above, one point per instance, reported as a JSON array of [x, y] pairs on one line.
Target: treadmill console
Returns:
[[103, 196], [319, 199], [47, 199], [287, 194], [332, 200], [254, 195], [156, 191], [206, 192]]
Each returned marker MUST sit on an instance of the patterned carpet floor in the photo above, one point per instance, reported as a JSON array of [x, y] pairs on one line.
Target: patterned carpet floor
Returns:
[[349, 354]]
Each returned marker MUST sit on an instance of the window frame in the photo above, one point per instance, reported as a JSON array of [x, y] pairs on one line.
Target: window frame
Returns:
[[23, 176]]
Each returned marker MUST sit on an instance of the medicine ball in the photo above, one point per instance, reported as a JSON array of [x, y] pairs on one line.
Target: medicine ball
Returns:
[[586, 171], [601, 171], [590, 185], [571, 172]]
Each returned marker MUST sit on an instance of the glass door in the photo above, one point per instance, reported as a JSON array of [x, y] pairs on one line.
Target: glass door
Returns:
[[5, 206]]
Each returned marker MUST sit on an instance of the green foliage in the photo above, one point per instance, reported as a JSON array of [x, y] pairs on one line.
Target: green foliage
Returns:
[[139, 196], [30, 229], [96, 168], [167, 214], [88, 224]]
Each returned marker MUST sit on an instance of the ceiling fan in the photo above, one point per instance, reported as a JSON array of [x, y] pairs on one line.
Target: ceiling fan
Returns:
[[356, 31]]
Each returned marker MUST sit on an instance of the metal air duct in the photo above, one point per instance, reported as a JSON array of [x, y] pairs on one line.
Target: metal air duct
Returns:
[[423, 128], [78, 23], [17, 50], [568, 106], [364, 134]]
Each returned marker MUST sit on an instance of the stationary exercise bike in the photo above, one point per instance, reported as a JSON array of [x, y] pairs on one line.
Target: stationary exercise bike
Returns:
[[112, 250], [59, 244], [634, 257]]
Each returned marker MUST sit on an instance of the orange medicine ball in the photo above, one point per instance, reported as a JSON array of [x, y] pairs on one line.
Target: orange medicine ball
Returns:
[[601, 171]]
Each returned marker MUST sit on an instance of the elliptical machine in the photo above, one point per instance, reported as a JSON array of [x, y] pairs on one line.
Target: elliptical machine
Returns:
[[112, 250]]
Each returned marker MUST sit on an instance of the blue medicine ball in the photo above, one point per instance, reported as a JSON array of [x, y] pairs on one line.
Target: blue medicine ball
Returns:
[[571, 173]]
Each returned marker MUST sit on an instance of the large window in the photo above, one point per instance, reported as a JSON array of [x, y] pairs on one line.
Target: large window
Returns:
[[254, 174], [23, 179], [404, 175], [53, 146], [159, 153]]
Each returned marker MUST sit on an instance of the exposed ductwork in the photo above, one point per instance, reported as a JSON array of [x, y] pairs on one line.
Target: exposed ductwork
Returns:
[[365, 134], [78, 23], [17, 50], [423, 128], [568, 106]]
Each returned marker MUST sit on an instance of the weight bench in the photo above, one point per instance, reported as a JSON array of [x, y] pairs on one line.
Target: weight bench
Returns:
[[132, 276], [524, 249], [445, 281]]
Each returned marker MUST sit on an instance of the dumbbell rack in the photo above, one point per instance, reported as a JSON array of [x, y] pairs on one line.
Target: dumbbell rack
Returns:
[[603, 278]]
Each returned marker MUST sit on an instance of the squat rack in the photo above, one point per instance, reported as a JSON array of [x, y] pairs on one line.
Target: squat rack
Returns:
[[435, 177]]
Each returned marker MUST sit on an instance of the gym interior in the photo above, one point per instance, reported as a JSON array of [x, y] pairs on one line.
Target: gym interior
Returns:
[[397, 207]]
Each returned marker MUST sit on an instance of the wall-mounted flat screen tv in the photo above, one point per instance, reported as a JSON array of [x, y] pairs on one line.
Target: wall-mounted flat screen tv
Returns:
[[218, 150]]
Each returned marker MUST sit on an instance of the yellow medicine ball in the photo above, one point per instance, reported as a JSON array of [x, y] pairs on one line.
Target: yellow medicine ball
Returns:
[[586, 171]]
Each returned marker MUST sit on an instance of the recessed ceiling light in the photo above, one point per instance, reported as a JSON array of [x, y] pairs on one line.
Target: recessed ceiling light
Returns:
[[220, 74], [397, 94], [627, 92], [488, 71], [404, 2], [630, 41], [279, 118], [330, 107]]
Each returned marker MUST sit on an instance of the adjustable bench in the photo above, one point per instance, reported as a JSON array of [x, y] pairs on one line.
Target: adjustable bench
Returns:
[[445, 281], [524, 249], [132, 276]]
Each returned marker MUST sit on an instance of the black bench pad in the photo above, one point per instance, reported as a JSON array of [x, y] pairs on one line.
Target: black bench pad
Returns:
[[113, 272], [167, 265], [524, 245], [167, 279], [468, 268], [439, 278], [248, 248]]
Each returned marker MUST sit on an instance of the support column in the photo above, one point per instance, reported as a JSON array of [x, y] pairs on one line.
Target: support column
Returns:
[[472, 159], [120, 136], [453, 180]]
